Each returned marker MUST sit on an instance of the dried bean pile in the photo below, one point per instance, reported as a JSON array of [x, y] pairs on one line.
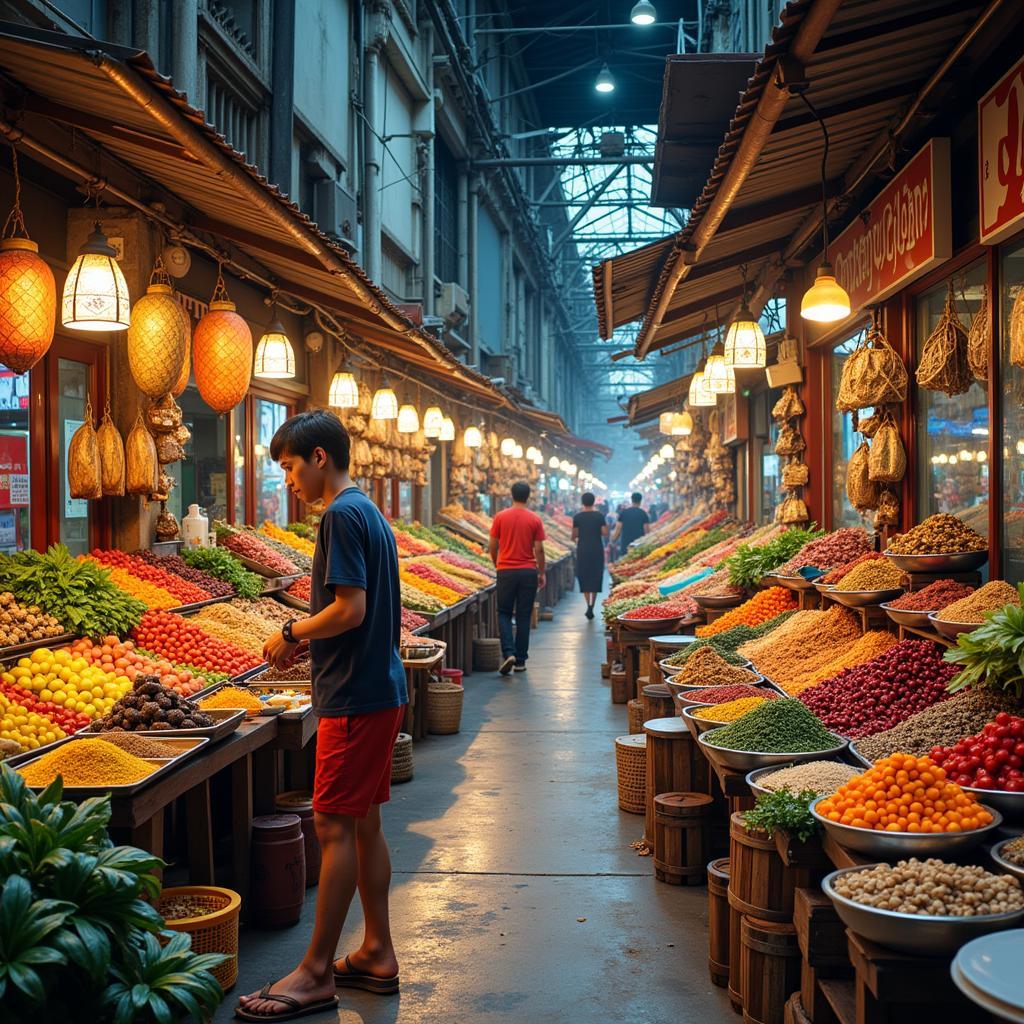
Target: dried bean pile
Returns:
[[708, 668], [932, 598], [882, 693], [267, 608], [838, 573], [940, 534], [873, 575], [1013, 851], [299, 671], [783, 726], [974, 607], [833, 549], [140, 746], [818, 776]]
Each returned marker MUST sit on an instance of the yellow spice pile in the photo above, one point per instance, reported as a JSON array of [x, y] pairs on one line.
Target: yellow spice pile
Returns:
[[87, 763]]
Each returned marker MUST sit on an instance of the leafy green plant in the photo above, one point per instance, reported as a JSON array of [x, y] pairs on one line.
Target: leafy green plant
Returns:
[[78, 931], [786, 811], [992, 656], [749, 563], [221, 563]]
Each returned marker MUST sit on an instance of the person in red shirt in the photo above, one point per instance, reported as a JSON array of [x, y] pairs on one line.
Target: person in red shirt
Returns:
[[517, 551]]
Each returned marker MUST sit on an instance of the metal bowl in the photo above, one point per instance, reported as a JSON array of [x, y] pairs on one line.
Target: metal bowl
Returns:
[[696, 725], [1017, 870], [754, 776], [862, 598], [673, 640], [668, 670], [962, 561], [794, 582], [915, 620], [895, 845], [823, 588], [747, 760], [649, 626], [689, 696], [1009, 805], [720, 600], [951, 630], [912, 933], [867, 762]]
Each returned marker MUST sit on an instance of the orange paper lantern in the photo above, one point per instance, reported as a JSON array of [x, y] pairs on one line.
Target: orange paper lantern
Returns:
[[222, 353], [28, 304]]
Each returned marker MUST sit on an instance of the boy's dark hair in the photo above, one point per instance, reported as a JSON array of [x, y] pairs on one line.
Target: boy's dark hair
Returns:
[[299, 435], [520, 491], [588, 499], [636, 497]]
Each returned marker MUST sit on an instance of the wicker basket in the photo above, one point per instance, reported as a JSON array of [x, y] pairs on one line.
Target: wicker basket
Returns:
[[401, 759], [486, 654], [636, 716], [215, 932], [535, 617], [444, 708], [631, 763]]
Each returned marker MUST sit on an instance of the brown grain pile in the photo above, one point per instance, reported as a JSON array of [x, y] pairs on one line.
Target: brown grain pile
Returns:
[[706, 667], [940, 534], [974, 607], [140, 746], [873, 575], [846, 655]]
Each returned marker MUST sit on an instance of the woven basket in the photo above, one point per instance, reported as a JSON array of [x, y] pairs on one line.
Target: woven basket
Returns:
[[215, 932], [635, 708], [547, 615], [606, 670], [444, 708], [631, 763], [486, 654], [401, 759]]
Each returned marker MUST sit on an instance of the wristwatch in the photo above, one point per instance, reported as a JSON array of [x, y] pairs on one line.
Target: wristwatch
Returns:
[[286, 632]]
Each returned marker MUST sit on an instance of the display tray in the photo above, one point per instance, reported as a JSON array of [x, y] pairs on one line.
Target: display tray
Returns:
[[648, 626], [247, 674], [424, 661], [474, 533], [189, 746], [863, 598], [17, 650], [225, 722], [951, 630], [794, 583], [202, 695], [291, 713], [261, 569], [961, 561], [292, 601], [186, 609], [823, 588], [903, 617], [747, 760]]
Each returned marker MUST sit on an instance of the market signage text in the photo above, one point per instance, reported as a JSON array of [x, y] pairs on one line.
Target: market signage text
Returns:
[[902, 234], [1001, 157]]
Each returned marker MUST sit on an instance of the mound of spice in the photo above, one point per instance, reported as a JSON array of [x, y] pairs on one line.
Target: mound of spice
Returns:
[[140, 746], [873, 575], [726, 643], [903, 793], [783, 726], [943, 724], [833, 549], [933, 598], [708, 668], [232, 697], [820, 777], [730, 710], [882, 693], [1013, 851], [838, 573], [846, 654], [87, 763], [940, 534], [678, 609], [932, 888], [715, 585], [975, 606], [721, 694], [762, 607]]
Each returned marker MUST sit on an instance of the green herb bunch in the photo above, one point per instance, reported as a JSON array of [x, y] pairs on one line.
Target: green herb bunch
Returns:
[[784, 810], [992, 656], [303, 530], [80, 593], [221, 563], [748, 564]]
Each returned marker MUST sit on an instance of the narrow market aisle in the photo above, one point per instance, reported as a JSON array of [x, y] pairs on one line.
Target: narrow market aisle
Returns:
[[506, 838]]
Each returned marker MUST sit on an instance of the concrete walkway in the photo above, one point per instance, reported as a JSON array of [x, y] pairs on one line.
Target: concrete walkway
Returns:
[[517, 898]]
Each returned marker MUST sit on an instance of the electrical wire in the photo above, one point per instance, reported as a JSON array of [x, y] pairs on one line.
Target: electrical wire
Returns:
[[824, 167]]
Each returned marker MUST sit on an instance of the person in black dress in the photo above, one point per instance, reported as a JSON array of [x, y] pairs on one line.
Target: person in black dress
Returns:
[[588, 531]]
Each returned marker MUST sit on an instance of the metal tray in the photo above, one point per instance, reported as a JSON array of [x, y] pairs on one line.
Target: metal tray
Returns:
[[17, 650], [226, 721], [258, 567], [288, 712], [265, 713], [292, 601]]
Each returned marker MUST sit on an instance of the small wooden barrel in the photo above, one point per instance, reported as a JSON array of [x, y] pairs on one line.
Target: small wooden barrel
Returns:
[[636, 716], [645, 661], [735, 976], [654, 669], [681, 837], [300, 803], [670, 764], [606, 670], [770, 966], [658, 701], [619, 694], [718, 921], [795, 1012], [760, 884], [631, 765], [278, 871]]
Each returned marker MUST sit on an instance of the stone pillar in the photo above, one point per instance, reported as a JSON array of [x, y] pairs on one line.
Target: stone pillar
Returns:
[[185, 64]]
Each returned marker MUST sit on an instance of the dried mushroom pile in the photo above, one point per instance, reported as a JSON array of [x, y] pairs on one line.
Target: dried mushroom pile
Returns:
[[792, 510]]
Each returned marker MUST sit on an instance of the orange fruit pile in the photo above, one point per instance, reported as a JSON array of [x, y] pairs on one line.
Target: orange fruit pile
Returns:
[[764, 605]]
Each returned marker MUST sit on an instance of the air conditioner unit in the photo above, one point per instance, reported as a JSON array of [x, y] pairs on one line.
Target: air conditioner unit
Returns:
[[452, 304], [336, 211]]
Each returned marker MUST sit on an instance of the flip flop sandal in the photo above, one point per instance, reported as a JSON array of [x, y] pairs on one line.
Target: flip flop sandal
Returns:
[[351, 978], [295, 1008]]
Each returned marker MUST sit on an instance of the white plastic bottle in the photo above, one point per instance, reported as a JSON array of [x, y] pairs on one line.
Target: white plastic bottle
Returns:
[[195, 528]]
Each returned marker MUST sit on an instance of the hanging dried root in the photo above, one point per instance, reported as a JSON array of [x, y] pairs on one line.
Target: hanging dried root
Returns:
[[943, 365], [979, 339]]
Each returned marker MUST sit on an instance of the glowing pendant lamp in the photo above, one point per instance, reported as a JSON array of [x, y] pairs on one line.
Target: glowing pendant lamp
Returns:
[[665, 423], [682, 424], [472, 438], [385, 404], [744, 343], [700, 394], [344, 392], [433, 421], [517, 452], [667, 451], [95, 293], [508, 446], [447, 430], [553, 462], [408, 419], [531, 454], [721, 379], [275, 357]]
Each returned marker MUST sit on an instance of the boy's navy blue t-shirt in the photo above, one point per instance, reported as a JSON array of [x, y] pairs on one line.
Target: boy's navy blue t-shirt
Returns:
[[361, 670]]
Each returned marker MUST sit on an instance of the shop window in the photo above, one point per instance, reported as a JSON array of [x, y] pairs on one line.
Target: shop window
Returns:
[[202, 475], [953, 433], [238, 460], [73, 379], [844, 440], [405, 501], [1012, 280], [271, 493], [15, 528]]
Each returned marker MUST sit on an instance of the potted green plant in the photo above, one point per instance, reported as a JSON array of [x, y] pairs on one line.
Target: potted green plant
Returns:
[[79, 937]]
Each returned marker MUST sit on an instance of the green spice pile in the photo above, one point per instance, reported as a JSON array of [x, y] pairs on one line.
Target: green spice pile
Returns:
[[784, 810], [751, 562], [221, 563], [775, 727]]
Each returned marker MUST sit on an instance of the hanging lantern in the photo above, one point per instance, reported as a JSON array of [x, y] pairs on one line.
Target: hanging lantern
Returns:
[[344, 392], [700, 394], [682, 424], [665, 423], [826, 301], [531, 454], [667, 451], [433, 421], [186, 364], [408, 419], [517, 452], [95, 293], [744, 343], [508, 445], [157, 336], [538, 459], [275, 357], [447, 430], [472, 438], [385, 403], [720, 378], [553, 462], [222, 353]]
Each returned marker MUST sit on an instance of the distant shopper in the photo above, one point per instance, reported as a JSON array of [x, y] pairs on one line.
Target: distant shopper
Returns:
[[633, 523], [589, 530], [517, 551]]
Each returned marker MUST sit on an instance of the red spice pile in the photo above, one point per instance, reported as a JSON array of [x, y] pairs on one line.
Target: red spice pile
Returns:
[[932, 598]]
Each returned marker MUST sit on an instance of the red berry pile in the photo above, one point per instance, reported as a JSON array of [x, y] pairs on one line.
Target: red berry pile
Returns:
[[248, 546], [301, 588], [677, 608], [426, 572], [990, 759], [173, 637], [410, 620], [185, 592], [879, 694]]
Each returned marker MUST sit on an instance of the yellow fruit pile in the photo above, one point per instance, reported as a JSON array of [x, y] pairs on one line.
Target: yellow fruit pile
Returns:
[[274, 532], [69, 681], [26, 728]]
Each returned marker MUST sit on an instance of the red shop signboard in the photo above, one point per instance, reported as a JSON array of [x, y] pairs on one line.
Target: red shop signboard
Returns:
[[902, 234], [1001, 157], [13, 470]]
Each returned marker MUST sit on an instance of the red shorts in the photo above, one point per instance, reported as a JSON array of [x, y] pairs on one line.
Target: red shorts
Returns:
[[353, 761]]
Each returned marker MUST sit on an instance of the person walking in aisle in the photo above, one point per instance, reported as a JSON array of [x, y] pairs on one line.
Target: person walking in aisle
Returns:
[[588, 531], [633, 523], [517, 551], [359, 697]]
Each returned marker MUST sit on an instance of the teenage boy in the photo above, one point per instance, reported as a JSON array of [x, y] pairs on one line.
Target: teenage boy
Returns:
[[633, 523], [517, 551], [359, 696]]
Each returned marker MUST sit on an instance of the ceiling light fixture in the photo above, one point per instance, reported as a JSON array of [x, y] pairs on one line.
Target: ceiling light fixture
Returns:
[[643, 13], [605, 80]]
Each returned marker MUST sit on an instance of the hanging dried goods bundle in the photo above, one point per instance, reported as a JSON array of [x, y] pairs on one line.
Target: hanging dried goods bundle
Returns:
[[796, 474], [788, 406], [887, 462], [979, 339], [862, 491], [1017, 330], [790, 442], [141, 461], [888, 513], [943, 365], [168, 450], [222, 353], [111, 446], [85, 474], [157, 336], [166, 525], [793, 511], [873, 375], [869, 426], [164, 417]]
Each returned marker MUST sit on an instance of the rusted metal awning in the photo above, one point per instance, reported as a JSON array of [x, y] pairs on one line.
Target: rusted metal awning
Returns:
[[650, 404]]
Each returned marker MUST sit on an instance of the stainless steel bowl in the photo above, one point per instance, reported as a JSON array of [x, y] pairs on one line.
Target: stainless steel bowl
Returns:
[[649, 626], [1009, 805], [696, 725], [862, 598], [896, 845], [795, 583], [720, 600], [915, 620], [686, 695], [951, 630], [671, 671], [754, 776], [748, 760], [859, 756], [823, 588], [1017, 870], [962, 561], [912, 933], [673, 640]]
